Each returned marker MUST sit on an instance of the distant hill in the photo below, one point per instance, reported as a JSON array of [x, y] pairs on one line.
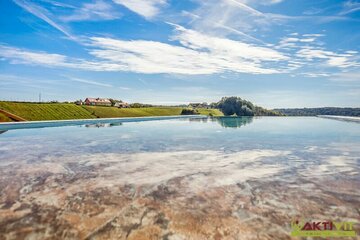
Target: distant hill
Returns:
[[355, 112]]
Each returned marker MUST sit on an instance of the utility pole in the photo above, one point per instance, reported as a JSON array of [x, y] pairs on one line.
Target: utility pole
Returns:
[[40, 97]]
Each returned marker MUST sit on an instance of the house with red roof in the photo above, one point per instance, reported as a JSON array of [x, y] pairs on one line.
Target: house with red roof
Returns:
[[97, 102]]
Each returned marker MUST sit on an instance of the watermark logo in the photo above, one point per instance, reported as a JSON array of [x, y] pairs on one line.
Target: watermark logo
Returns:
[[322, 229]]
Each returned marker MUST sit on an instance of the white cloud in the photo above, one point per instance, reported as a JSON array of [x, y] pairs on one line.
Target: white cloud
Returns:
[[295, 39], [225, 47], [274, 1], [244, 7], [91, 82], [98, 10], [314, 35], [350, 7], [215, 16], [152, 57], [224, 27], [309, 51], [17, 55], [22, 56], [332, 59], [92, 11], [43, 14], [261, 2], [145, 8], [316, 75], [58, 4], [192, 53], [197, 54]]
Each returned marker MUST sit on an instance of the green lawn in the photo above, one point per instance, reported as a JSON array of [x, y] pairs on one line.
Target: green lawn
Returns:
[[212, 112], [60, 111], [109, 112], [46, 111]]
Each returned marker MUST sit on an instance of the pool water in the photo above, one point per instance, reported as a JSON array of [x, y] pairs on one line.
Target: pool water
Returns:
[[186, 178]]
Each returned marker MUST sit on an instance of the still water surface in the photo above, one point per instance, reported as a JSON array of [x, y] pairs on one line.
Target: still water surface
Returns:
[[221, 178]]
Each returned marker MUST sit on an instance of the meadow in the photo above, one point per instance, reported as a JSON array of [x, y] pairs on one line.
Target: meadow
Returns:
[[64, 111], [46, 111]]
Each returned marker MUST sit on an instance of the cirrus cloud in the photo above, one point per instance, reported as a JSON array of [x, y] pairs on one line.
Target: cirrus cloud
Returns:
[[145, 8], [192, 53], [93, 11]]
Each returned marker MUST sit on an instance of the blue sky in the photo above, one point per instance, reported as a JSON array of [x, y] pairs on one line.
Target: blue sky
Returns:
[[276, 53]]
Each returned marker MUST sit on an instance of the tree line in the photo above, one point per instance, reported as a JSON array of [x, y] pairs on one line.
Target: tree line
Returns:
[[355, 112], [232, 106], [240, 107]]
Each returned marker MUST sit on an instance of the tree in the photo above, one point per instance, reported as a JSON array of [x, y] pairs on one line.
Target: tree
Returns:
[[245, 110], [136, 105], [187, 111], [114, 101], [235, 105]]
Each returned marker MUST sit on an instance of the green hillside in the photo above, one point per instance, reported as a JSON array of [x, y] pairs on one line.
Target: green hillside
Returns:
[[62, 111], [46, 111], [110, 112], [4, 118]]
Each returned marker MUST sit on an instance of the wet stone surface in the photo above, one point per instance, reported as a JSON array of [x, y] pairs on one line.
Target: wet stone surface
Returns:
[[60, 191]]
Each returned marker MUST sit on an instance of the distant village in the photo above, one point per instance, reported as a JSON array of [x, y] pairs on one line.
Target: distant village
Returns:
[[120, 104], [103, 102]]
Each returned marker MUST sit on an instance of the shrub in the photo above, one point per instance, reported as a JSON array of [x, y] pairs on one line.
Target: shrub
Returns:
[[187, 111]]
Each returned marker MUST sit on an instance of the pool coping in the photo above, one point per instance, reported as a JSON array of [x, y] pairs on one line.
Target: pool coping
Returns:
[[341, 118]]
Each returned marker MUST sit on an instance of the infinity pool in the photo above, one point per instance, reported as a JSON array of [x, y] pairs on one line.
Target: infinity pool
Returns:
[[187, 178]]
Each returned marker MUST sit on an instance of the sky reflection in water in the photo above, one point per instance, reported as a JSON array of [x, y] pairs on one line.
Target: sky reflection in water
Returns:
[[269, 159]]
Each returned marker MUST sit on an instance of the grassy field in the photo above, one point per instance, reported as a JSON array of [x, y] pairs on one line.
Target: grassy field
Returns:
[[4, 118], [60, 111], [109, 112], [211, 112], [46, 111]]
